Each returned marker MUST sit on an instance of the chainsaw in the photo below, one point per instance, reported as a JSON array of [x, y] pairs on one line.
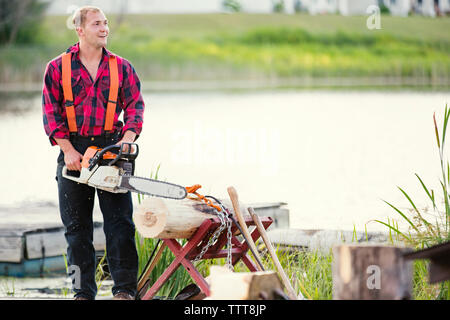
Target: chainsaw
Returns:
[[112, 169]]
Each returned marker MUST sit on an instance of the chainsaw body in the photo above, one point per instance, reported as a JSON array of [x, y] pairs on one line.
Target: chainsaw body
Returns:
[[112, 169], [106, 178], [104, 168]]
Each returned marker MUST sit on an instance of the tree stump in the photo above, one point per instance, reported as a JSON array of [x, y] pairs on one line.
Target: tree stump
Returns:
[[371, 272]]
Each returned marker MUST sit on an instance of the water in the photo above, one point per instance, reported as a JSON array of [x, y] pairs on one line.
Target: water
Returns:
[[332, 156]]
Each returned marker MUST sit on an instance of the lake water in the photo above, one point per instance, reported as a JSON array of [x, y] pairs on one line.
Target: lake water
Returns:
[[333, 157]]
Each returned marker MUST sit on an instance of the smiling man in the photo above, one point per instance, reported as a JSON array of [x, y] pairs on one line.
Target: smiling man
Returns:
[[84, 92]]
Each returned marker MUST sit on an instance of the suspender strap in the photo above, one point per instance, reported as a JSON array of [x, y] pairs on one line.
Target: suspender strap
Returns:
[[67, 89], [113, 91], [68, 96]]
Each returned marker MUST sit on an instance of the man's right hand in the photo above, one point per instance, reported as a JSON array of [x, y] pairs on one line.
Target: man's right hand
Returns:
[[73, 158]]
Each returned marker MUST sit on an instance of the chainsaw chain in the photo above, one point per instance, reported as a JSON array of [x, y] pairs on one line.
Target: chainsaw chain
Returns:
[[225, 222]]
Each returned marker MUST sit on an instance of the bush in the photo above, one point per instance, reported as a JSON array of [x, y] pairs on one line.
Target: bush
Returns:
[[231, 5], [20, 20]]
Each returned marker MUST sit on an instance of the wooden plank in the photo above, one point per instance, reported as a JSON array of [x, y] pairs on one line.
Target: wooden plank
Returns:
[[439, 267], [436, 251], [45, 244], [34, 267], [11, 248], [50, 243]]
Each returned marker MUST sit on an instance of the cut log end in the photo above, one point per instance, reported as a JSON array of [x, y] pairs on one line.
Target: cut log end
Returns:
[[170, 219], [150, 217]]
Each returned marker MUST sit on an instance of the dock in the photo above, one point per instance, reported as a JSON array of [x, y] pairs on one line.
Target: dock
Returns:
[[32, 242]]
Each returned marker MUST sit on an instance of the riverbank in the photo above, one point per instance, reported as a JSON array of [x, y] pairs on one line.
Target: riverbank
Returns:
[[306, 83], [254, 48]]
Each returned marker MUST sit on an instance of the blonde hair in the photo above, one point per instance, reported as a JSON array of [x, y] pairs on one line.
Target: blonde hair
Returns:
[[79, 16]]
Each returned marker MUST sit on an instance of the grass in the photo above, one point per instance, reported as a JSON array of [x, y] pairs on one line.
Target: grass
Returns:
[[425, 228], [249, 46], [310, 272], [424, 232]]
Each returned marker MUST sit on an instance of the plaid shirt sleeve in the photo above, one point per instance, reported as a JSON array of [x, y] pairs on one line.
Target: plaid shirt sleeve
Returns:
[[52, 104], [133, 103]]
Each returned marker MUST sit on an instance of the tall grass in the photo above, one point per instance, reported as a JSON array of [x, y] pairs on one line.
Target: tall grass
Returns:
[[423, 232], [310, 271], [202, 48]]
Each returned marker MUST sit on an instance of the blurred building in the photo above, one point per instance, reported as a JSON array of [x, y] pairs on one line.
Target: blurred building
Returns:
[[431, 8], [400, 8], [355, 7], [403, 8], [315, 7]]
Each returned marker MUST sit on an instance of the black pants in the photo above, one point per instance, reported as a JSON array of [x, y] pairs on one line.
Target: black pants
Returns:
[[76, 203]]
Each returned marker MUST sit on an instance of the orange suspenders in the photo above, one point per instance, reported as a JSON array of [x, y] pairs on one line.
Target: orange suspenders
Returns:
[[68, 96]]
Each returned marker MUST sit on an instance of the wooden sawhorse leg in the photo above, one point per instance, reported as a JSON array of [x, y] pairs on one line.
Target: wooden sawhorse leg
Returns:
[[180, 259], [189, 250]]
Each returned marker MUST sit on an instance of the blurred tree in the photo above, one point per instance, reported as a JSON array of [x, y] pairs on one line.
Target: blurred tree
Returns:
[[20, 20], [231, 5], [383, 8], [299, 6], [123, 4], [278, 6]]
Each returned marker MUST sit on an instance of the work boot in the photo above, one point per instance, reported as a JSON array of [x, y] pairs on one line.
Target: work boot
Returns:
[[123, 296]]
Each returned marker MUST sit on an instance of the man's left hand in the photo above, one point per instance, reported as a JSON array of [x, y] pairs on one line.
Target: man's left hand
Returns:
[[128, 137]]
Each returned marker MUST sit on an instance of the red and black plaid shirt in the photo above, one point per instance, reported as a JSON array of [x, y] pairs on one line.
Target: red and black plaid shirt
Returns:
[[90, 98]]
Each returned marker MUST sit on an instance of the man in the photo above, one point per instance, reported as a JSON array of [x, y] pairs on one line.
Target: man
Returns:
[[75, 103]]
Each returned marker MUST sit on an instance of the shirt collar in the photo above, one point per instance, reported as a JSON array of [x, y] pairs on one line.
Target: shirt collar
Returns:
[[75, 49]]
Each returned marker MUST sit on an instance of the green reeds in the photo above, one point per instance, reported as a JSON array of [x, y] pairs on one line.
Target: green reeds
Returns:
[[423, 232]]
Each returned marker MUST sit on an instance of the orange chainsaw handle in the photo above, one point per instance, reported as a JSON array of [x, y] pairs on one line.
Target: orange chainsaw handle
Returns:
[[91, 152], [131, 154]]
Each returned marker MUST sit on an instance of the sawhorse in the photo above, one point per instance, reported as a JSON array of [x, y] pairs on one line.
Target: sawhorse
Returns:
[[185, 254]]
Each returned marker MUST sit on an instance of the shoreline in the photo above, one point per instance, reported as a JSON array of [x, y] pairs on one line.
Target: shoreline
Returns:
[[305, 83]]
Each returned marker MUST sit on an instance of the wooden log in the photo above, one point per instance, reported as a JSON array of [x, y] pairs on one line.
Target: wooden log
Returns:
[[371, 272], [227, 285], [171, 219]]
